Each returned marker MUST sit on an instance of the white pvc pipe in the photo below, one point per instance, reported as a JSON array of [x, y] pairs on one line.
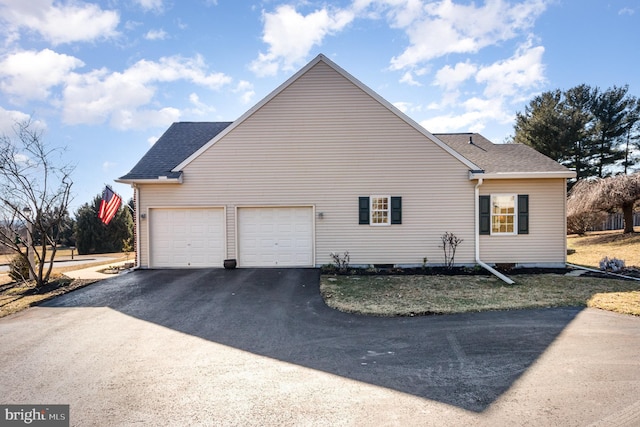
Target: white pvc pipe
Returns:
[[593, 270]]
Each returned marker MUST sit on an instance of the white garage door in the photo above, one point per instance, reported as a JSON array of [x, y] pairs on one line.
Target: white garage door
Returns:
[[187, 237], [275, 237]]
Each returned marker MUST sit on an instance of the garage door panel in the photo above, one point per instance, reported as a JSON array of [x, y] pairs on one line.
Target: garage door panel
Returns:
[[186, 237], [275, 237]]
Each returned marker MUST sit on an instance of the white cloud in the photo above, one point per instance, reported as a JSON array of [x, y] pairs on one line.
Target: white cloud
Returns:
[[30, 75], [154, 5], [245, 88], [626, 11], [195, 100], [58, 22], [402, 106], [291, 35], [100, 95], [510, 77], [142, 119], [472, 121], [199, 107], [174, 68], [451, 77], [9, 118], [471, 115], [408, 107], [497, 87], [152, 140], [443, 27], [156, 35], [408, 78], [107, 166]]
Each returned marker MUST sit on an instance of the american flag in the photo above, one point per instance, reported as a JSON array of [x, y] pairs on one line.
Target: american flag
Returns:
[[109, 205]]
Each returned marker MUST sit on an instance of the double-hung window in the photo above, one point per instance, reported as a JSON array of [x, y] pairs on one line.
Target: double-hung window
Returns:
[[503, 214], [379, 210]]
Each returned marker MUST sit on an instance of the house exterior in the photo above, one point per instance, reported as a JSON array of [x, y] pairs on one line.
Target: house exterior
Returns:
[[323, 164]]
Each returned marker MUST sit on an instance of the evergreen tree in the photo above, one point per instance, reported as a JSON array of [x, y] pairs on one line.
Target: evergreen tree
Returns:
[[92, 236], [586, 129], [614, 113]]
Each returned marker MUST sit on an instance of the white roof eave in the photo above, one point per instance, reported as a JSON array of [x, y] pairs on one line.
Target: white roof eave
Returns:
[[521, 175], [158, 180]]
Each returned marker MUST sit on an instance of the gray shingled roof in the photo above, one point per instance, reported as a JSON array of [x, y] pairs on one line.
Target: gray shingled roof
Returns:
[[179, 142], [499, 158]]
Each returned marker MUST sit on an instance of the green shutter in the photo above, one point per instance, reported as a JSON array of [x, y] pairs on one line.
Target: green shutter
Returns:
[[363, 210], [485, 214], [396, 210], [523, 214]]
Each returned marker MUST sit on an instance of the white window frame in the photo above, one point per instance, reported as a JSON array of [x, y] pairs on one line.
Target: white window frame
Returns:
[[388, 211], [515, 215]]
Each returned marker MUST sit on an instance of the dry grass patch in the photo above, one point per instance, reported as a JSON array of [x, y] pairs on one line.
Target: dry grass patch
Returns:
[[419, 295], [591, 248], [17, 296], [620, 302]]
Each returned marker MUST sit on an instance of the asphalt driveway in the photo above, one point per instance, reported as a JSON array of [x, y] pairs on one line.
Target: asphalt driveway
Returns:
[[259, 347]]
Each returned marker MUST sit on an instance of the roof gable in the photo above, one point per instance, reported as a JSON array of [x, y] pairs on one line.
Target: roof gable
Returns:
[[350, 78], [180, 141]]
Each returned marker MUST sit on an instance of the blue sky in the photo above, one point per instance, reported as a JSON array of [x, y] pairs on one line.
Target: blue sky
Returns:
[[105, 79]]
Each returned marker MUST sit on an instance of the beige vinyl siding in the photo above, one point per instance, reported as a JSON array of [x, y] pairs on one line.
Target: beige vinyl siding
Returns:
[[546, 241], [324, 142]]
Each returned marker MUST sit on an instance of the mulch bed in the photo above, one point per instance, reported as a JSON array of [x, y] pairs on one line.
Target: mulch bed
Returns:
[[470, 271]]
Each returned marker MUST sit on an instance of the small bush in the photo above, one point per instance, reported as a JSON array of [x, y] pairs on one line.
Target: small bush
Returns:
[[341, 262], [450, 243], [582, 222], [611, 264], [19, 268]]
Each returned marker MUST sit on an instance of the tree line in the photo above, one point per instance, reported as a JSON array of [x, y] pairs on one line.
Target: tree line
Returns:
[[596, 133]]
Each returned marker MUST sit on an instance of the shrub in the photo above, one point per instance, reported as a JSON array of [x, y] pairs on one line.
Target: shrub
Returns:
[[580, 223], [341, 262], [450, 243], [611, 264], [19, 268]]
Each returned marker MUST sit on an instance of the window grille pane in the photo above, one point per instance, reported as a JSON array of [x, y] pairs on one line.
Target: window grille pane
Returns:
[[379, 210], [503, 214]]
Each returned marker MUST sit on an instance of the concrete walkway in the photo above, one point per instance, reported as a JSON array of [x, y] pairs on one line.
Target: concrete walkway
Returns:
[[91, 273]]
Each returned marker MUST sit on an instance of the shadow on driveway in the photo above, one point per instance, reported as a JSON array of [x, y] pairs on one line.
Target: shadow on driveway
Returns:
[[465, 360]]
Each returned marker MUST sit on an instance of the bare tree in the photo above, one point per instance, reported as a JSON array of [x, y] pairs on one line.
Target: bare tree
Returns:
[[34, 197], [610, 194], [450, 243]]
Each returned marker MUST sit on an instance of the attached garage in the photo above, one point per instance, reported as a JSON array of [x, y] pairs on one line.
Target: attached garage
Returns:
[[275, 236], [186, 237]]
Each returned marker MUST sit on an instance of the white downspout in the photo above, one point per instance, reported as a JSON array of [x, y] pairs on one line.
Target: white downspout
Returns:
[[138, 219], [477, 249]]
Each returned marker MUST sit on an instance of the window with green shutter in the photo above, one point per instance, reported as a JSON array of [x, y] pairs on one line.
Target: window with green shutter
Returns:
[[485, 214], [523, 214], [379, 210], [363, 210], [504, 214], [396, 210]]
